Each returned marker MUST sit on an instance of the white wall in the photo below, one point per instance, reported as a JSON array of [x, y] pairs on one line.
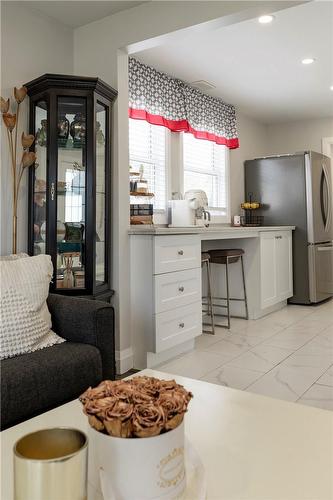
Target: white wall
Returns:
[[299, 135], [100, 50], [31, 45], [253, 143]]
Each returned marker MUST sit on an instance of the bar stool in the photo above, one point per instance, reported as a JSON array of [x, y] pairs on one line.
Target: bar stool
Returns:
[[229, 256], [205, 262]]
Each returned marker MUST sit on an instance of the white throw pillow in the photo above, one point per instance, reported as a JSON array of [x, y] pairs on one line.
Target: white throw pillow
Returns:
[[25, 321]]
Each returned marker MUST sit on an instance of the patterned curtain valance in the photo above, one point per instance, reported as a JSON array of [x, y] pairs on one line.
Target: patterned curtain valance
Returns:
[[162, 100]]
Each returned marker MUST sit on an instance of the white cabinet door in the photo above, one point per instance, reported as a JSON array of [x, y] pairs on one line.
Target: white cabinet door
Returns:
[[276, 276], [284, 272], [268, 284]]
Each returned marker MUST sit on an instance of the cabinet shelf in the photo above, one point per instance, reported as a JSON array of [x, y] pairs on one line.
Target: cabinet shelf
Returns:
[[148, 195]]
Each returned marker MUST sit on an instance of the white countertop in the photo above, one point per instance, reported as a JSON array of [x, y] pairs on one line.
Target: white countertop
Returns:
[[221, 229], [252, 447]]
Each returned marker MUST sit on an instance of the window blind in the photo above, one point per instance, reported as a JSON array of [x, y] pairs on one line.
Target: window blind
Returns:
[[147, 154], [205, 168]]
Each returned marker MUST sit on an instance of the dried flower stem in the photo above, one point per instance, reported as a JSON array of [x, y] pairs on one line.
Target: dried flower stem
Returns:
[[19, 181], [13, 158], [11, 121], [16, 128]]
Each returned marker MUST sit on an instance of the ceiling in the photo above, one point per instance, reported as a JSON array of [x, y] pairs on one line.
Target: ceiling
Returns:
[[258, 67], [78, 13]]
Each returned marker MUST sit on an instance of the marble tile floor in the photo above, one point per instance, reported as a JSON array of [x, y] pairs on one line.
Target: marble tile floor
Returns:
[[286, 355]]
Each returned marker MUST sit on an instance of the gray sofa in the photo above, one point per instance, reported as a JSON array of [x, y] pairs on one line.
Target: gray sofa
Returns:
[[36, 382]]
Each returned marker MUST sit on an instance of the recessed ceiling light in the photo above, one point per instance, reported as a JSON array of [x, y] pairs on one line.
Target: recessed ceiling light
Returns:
[[331, 87], [308, 60], [266, 19]]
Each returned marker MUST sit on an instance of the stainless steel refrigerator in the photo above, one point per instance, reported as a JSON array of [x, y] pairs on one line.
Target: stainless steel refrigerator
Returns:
[[297, 190]]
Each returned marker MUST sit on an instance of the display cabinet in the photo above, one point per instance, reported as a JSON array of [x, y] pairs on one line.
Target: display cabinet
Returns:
[[70, 187]]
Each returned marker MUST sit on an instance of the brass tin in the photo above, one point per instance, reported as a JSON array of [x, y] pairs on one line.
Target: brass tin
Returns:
[[51, 464]]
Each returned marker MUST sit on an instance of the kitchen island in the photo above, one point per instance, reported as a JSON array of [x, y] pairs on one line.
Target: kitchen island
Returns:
[[167, 284]]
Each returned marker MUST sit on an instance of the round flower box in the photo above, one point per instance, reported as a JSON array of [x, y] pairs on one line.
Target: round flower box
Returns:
[[141, 468], [137, 437]]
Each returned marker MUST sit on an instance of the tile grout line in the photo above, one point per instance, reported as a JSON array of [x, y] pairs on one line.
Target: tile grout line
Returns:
[[315, 382]]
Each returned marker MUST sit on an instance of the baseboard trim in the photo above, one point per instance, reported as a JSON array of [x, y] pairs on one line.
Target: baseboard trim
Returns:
[[124, 360], [155, 359]]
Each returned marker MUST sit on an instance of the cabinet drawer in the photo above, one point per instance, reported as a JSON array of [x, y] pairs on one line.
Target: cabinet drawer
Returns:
[[177, 289], [176, 253], [177, 326]]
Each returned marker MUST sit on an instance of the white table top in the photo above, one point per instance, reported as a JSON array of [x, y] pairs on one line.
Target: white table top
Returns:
[[252, 447]]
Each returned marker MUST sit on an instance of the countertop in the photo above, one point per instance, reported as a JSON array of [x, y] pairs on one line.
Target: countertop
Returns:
[[222, 229]]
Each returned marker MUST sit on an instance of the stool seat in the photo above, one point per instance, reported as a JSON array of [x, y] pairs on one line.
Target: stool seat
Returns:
[[224, 255]]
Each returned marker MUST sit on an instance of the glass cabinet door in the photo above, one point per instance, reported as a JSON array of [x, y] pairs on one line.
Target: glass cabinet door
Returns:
[[40, 179], [101, 130], [71, 192]]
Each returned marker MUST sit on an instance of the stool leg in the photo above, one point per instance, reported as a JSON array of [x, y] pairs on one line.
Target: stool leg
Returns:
[[228, 294], [244, 288], [210, 300]]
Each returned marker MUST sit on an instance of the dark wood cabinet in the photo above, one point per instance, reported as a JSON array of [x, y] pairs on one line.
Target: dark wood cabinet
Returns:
[[70, 187]]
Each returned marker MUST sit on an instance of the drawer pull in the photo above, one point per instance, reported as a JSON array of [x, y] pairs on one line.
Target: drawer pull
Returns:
[[181, 325], [181, 288], [180, 252], [278, 237]]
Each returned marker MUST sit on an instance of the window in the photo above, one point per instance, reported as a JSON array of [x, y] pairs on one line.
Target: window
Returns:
[[206, 167], [147, 154], [74, 200]]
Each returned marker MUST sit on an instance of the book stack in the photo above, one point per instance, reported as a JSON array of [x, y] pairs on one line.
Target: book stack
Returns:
[[141, 213]]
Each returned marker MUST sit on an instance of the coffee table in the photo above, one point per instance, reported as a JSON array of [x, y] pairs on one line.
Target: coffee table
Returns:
[[252, 447]]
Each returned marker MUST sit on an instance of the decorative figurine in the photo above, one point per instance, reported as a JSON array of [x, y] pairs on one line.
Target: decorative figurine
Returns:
[[99, 134]]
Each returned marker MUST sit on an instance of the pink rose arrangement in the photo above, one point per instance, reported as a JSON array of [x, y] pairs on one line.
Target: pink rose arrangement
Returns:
[[139, 407]]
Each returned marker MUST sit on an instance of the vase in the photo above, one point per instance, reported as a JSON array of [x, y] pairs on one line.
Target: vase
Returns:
[[63, 130], [78, 130], [14, 240], [142, 468]]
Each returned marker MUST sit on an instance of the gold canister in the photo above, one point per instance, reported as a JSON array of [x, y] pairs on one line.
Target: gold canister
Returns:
[[51, 464]]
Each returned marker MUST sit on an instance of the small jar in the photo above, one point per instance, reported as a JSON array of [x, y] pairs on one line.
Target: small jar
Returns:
[[142, 187]]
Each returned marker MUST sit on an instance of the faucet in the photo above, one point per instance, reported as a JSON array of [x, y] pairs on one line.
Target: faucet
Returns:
[[206, 216]]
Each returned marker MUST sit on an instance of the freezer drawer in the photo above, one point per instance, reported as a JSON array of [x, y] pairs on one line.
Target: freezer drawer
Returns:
[[321, 271]]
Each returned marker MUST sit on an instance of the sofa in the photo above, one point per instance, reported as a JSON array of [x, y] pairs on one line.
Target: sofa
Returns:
[[39, 381]]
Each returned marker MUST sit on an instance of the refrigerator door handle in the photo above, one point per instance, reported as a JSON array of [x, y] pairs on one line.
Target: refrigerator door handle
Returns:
[[325, 198], [327, 248]]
